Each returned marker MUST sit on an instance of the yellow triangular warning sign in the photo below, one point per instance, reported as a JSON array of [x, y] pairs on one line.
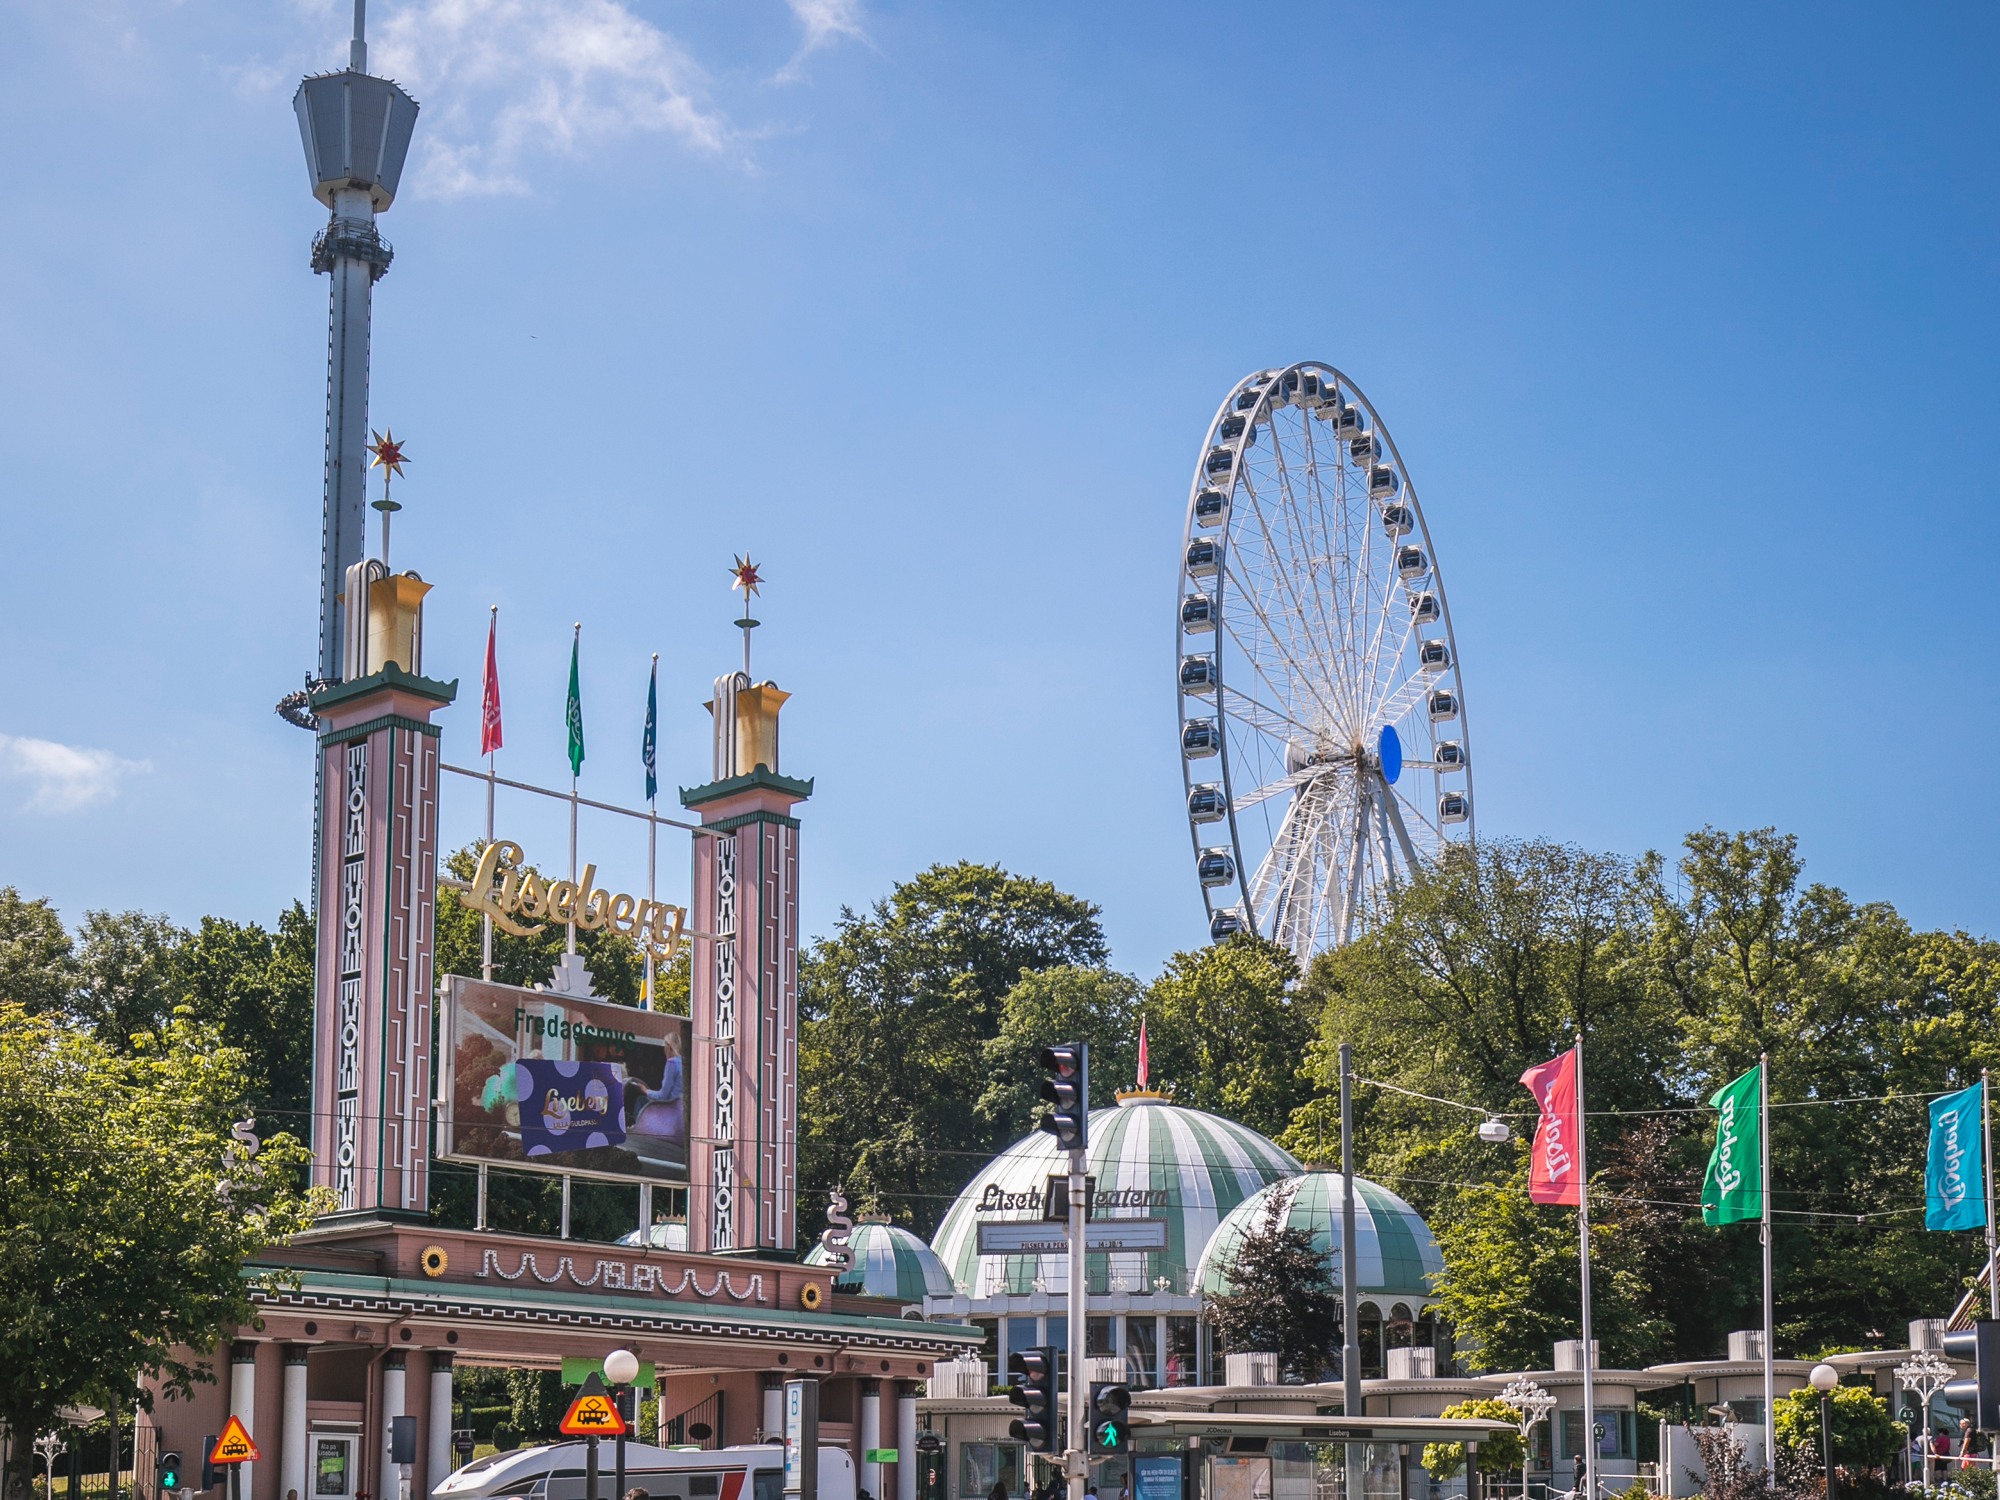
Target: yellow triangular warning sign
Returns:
[[234, 1446], [592, 1415]]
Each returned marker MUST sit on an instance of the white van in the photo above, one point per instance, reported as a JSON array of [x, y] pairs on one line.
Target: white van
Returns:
[[556, 1472]]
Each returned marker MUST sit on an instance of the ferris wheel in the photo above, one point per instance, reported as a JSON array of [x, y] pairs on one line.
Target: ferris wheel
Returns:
[[1323, 734]]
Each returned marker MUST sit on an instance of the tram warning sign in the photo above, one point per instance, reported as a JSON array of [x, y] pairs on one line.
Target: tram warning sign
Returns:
[[592, 1413], [234, 1446]]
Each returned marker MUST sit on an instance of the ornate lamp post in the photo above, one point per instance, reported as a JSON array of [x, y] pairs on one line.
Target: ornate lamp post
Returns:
[[1534, 1404], [48, 1445], [1923, 1375]]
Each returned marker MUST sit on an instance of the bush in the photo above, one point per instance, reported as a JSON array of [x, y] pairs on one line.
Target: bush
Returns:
[[1865, 1436], [1501, 1453]]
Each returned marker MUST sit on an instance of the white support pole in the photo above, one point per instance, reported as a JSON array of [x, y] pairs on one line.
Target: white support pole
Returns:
[[1590, 1447], [871, 1436], [1077, 1428], [1986, 1129], [1770, 1396], [243, 1400], [906, 1441], [440, 1455], [774, 1411], [292, 1458], [395, 1385]]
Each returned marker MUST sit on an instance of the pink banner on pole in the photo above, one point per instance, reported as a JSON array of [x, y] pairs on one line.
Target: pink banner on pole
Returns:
[[1552, 1173]]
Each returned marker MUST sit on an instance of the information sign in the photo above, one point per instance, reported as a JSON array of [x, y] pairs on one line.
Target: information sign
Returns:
[[1034, 1237], [592, 1413]]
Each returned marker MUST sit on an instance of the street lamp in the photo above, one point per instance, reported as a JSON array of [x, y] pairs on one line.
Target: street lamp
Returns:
[[1823, 1379], [1534, 1404], [621, 1368], [48, 1445], [1923, 1375]]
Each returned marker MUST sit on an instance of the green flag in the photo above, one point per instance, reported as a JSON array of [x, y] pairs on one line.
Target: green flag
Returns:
[[573, 714], [1734, 1190]]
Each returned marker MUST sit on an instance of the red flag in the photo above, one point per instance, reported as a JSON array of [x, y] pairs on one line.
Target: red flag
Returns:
[[1142, 1052], [1552, 1169], [489, 708]]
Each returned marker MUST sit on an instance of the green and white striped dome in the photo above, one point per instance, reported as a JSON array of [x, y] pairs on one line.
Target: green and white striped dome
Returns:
[[889, 1261], [1394, 1250], [1151, 1159]]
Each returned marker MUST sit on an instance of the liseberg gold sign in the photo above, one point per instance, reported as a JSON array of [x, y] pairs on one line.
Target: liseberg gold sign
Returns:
[[506, 890]]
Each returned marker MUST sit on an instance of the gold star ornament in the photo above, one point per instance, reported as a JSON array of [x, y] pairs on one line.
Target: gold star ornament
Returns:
[[746, 575], [388, 453]]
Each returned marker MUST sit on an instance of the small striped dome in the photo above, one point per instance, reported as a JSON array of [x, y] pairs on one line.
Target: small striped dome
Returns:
[[1396, 1254], [1151, 1159], [889, 1261]]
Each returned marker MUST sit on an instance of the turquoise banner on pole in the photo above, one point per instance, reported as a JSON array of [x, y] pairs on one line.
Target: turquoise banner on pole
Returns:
[[1955, 1172]]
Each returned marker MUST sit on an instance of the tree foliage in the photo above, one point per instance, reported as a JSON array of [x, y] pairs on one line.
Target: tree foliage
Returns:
[[1865, 1435], [1501, 1453], [1677, 977], [123, 1232], [1227, 1029], [1058, 1005], [896, 1009], [1282, 1298]]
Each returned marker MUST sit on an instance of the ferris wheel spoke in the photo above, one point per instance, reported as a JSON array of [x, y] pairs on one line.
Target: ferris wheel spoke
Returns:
[[1272, 873], [1393, 812], [1314, 547], [1301, 627], [1300, 675], [1271, 789], [1273, 721]]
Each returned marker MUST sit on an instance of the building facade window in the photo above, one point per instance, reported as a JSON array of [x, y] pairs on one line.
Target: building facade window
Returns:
[[981, 1465], [1142, 1352], [1182, 1352]]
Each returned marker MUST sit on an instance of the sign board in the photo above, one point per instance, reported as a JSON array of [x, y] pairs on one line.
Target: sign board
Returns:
[[234, 1446], [878, 1455], [1156, 1478], [802, 1439], [1033, 1237], [592, 1413], [546, 1082]]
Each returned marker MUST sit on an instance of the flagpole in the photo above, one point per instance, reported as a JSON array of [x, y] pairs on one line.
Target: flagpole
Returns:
[[1590, 1445], [1764, 1140], [1986, 1131], [652, 843], [576, 642], [486, 917]]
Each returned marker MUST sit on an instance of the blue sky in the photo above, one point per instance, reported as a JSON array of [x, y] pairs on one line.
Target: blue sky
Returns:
[[1682, 318]]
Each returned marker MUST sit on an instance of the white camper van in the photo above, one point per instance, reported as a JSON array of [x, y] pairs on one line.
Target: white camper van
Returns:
[[556, 1472]]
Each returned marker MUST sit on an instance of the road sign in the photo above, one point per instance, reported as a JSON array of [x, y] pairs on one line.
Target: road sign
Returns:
[[234, 1446], [1031, 1237], [592, 1413]]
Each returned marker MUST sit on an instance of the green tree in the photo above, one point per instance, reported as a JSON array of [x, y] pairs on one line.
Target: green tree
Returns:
[[37, 959], [896, 1008], [123, 1234], [1227, 1028], [1059, 1005], [1499, 1453], [1282, 1298], [256, 988], [1865, 1436], [1512, 1283], [126, 974]]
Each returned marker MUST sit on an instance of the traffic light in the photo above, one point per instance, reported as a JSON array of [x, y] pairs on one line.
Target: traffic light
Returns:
[[1034, 1391], [170, 1471], [1979, 1346], [1110, 1419], [208, 1462], [1067, 1088]]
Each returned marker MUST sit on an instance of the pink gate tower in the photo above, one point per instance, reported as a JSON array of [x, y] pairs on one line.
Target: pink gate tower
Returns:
[[743, 1155]]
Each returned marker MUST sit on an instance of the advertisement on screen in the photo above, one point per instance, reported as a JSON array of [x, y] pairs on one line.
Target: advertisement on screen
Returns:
[[548, 1082]]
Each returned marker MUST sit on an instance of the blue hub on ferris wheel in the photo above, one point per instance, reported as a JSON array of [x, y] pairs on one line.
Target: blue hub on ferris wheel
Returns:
[[1391, 750]]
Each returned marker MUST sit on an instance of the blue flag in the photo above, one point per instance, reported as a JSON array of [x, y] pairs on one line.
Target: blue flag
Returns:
[[646, 745], [1955, 1174]]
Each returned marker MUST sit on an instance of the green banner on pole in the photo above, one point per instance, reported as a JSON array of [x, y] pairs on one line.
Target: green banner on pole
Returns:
[[879, 1456], [1734, 1190]]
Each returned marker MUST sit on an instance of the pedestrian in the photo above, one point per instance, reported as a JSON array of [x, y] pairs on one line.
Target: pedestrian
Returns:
[[999, 1490], [636, 1493], [1941, 1443], [1969, 1444]]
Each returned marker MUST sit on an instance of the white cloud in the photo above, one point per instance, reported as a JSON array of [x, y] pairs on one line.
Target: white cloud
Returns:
[[63, 778], [502, 81], [825, 21]]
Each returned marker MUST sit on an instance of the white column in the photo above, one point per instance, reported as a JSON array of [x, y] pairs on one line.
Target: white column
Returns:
[[395, 1380], [871, 1436], [292, 1467], [243, 1401], [906, 1441], [774, 1410], [440, 1455]]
